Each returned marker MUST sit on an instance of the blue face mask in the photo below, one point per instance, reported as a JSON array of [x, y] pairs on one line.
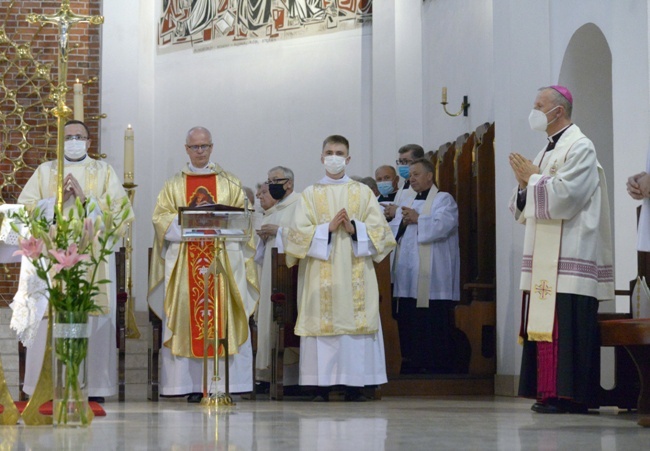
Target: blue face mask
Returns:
[[404, 170], [385, 188]]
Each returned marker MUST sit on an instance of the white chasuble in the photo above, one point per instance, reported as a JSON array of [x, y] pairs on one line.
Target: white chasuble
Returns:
[[98, 181]]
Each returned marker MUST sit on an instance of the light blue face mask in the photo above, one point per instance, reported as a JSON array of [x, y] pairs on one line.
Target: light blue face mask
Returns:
[[385, 187], [404, 170]]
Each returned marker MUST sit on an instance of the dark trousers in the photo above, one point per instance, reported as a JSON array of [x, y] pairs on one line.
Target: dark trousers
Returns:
[[425, 335]]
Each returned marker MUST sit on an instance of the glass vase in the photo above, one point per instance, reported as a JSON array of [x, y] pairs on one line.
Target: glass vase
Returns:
[[69, 349]]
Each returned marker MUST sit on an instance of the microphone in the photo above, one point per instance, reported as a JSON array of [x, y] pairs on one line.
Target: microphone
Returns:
[[237, 183]]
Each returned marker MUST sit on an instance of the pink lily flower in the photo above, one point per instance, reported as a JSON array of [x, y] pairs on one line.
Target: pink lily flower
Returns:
[[67, 259], [31, 248]]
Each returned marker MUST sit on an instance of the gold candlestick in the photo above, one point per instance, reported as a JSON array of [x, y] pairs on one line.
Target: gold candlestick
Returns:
[[132, 330]]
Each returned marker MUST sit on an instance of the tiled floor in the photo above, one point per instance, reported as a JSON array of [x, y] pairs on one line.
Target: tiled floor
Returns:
[[393, 423]]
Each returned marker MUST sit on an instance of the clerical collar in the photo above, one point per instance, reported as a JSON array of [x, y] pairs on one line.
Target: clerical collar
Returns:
[[553, 139], [407, 183], [69, 161], [204, 170], [330, 181], [423, 195]]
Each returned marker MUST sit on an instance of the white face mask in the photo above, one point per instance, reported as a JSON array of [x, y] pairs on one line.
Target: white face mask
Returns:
[[334, 164], [74, 149], [538, 121]]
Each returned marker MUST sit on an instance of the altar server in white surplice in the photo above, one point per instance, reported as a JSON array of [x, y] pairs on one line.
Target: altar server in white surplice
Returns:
[[279, 188], [338, 231], [426, 274], [91, 181], [567, 263]]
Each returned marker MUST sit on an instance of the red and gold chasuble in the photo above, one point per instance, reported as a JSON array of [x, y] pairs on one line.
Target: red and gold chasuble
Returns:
[[202, 189]]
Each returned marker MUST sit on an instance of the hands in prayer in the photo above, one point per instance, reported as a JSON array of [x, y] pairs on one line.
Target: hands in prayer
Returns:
[[72, 188], [389, 211], [638, 186], [267, 231], [522, 168], [341, 219]]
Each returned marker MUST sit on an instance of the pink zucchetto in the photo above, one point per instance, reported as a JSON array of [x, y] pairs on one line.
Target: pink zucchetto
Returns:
[[564, 91]]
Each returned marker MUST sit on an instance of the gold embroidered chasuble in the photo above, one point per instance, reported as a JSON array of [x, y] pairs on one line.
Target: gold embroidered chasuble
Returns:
[[339, 295], [238, 260], [98, 181]]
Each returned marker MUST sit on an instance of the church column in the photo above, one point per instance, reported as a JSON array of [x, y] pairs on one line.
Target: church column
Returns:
[[396, 78]]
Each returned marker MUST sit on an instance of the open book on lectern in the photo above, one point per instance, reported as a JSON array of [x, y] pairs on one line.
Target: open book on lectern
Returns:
[[210, 221]]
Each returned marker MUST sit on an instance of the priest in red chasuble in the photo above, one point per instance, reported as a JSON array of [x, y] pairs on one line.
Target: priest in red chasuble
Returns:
[[182, 266]]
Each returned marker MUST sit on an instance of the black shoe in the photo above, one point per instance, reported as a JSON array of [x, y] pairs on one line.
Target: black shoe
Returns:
[[194, 398], [97, 399], [573, 407], [354, 395], [547, 407]]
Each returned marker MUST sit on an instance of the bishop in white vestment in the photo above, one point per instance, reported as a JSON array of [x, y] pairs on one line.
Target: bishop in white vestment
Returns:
[[337, 233], [562, 200]]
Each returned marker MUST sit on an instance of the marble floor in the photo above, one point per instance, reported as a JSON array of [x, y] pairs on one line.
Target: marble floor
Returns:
[[394, 423]]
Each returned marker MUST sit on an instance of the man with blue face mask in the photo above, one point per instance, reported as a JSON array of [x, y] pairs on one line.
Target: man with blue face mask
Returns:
[[337, 232], [406, 155], [387, 183], [567, 263]]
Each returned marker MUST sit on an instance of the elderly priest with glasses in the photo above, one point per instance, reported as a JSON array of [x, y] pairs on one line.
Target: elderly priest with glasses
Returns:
[[182, 264]]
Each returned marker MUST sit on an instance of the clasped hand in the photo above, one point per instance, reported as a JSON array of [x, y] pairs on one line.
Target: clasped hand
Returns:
[[72, 188], [267, 231], [522, 168], [409, 216], [638, 186], [341, 219]]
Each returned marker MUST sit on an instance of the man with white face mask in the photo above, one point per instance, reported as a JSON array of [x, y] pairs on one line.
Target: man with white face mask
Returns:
[[567, 263], [92, 182], [337, 232]]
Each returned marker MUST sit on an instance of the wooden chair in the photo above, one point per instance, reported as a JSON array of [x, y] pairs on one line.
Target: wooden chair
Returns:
[[284, 296], [122, 298], [153, 369], [631, 341]]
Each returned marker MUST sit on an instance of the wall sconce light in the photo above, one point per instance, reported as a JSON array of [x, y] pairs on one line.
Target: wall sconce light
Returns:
[[463, 107]]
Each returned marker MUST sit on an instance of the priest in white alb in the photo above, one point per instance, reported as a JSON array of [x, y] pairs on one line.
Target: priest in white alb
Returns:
[[280, 188], [92, 181], [337, 233], [182, 264], [567, 263]]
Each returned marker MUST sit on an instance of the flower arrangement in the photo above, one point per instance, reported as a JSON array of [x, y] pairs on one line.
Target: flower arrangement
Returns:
[[66, 253]]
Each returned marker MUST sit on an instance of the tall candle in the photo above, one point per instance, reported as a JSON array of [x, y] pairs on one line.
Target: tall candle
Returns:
[[444, 94], [78, 102], [129, 166]]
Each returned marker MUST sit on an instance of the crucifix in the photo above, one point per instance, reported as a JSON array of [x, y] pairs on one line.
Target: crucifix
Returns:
[[64, 18]]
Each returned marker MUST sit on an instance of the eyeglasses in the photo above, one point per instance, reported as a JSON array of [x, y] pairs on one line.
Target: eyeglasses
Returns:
[[403, 162], [75, 138], [276, 181], [198, 147]]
